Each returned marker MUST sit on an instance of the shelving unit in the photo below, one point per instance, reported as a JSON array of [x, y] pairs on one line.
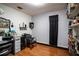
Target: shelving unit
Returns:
[[77, 51], [73, 40], [72, 10]]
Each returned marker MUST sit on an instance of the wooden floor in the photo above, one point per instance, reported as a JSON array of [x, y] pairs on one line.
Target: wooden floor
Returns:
[[42, 50]]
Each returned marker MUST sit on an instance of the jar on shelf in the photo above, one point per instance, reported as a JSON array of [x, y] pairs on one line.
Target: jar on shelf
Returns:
[[75, 21]]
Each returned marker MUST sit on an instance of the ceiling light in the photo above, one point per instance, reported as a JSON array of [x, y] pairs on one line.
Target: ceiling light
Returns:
[[37, 4]]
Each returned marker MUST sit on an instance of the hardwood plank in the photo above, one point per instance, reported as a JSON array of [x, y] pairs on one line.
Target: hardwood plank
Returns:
[[42, 50]]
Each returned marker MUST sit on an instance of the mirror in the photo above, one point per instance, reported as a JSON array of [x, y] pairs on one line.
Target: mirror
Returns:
[[4, 25]]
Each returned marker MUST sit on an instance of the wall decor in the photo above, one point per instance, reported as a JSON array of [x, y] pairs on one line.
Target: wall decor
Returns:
[[31, 25], [23, 27], [4, 23]]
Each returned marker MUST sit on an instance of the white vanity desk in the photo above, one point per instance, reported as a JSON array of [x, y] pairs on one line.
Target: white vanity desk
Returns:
[[17, 44], [0, 38]]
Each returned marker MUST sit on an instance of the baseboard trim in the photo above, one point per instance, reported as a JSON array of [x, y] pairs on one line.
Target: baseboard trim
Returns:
[[43, 44], [52, 46]]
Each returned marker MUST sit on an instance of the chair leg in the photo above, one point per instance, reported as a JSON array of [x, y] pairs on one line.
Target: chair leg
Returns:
[[32, 45]]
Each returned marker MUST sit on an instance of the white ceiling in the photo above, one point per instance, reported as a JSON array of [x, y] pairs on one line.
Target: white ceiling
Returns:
[[35, 10]]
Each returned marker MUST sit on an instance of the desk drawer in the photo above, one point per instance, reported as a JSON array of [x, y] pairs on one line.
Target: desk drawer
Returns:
[[17, 50], [17, 46]]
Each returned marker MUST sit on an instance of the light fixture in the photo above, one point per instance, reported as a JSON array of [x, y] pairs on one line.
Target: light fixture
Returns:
[[37, 4]]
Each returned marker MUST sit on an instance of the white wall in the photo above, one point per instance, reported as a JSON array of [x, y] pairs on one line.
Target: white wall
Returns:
[[17, 18], [41, 29]]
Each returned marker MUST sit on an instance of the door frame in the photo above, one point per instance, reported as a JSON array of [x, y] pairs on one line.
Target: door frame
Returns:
[[57, 29]]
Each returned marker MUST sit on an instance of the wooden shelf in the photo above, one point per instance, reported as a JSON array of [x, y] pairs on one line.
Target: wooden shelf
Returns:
[[75, 25]]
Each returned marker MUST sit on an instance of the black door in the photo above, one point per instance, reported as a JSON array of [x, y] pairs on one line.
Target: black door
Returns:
[[53, 20]]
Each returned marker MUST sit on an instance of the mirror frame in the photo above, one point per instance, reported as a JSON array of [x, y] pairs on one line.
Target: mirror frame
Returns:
[[7, 20]]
